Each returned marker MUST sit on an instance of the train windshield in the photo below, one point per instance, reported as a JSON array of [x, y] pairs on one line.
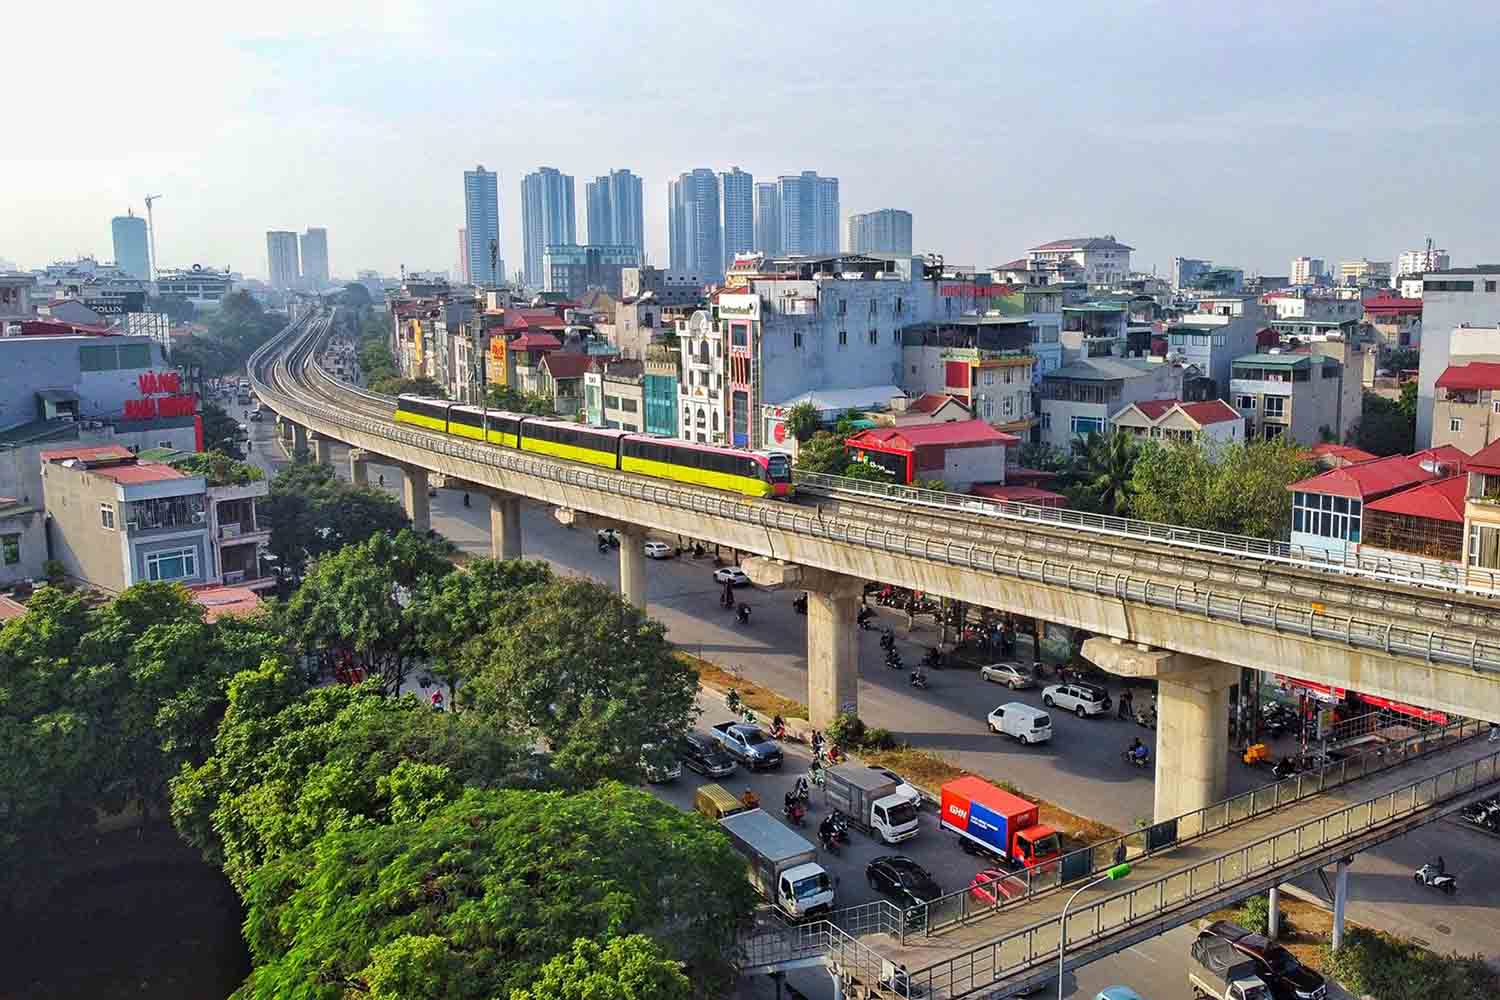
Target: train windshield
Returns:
[[779, 467]]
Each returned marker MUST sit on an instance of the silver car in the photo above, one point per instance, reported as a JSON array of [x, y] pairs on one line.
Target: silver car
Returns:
[[1009, 674]]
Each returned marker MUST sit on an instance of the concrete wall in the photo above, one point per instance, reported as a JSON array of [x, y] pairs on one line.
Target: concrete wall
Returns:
[[1442, 313], [32, 363], [28, 525], [88, 551]]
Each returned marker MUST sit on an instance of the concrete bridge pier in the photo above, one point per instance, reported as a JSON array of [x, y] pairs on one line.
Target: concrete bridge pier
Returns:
[[414, 498], [322, 449], [1192, 709], [832, 636], [505, 525], [633, 564], [299, 440], [359, 467]]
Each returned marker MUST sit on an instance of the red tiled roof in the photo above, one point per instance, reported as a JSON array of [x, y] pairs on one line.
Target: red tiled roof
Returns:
[[87, 453], [1348, 453], [1018, 494], [1486, 459], [1019, 474], [1155, 409], [221, 601], [1393, 304], [1019, 264], [912, 436], [1363, 480], [150, 472], [931, 402], [1439, 500], [560, 365], [10, 608], [536, 342], [1085, 243], [1214, 411], [1474, 375], [1444, 454]]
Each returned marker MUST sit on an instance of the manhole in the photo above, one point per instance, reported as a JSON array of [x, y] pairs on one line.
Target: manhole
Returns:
[[1443, 928]]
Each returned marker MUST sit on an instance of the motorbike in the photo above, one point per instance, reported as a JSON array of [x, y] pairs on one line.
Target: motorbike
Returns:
[[888, 640], [799, 604], [933, 660], [918, 680], [1135, 761], [1286, 767], [742, 614], [778, 731], [834, 755], [893, 660], [1435, 878], [815, 773], [830, 843], [840, 827], [794, 810], [1146, 717], [800, 791]]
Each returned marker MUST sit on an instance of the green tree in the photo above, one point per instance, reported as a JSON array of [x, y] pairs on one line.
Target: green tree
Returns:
[[803, 421], [1408, 401], [1402, 359], [503, 397], [589, 673], [480, 895], [848, 423], [219, 469], [355, 606], [1385, 427], [625, 968], [291, 763], [1100, 472], [823, 453], [1237, 489], [869, 472], [311, 512], [1042, 457], [221, 432], [395, 385]]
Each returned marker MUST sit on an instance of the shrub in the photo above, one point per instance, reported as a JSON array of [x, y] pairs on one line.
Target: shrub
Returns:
[[1393, 969], [847, 731], [880, 739]]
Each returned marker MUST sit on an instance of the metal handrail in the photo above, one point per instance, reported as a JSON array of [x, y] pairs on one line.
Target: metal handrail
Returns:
[[958, 907], [1426, 645], [1388, 568], [1029, 946]]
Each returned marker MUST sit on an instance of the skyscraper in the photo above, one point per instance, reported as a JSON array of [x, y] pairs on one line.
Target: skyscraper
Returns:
[[131, 253], [482, 226], [737, 197], [885, 231], [281, 259], [547, 217], [615, 212], [315, 257], [695, 234], [463, 256], [768, 218], [809, 213]]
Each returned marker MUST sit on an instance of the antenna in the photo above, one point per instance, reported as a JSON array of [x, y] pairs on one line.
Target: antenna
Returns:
[[151, 225]]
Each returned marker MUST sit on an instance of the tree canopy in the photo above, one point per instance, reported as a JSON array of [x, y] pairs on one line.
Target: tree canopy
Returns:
[[1238, 489], [311, 512], [219, 469], [231, 335], [633, 967], [1385, 427], [474, 898], [221, 432], [503, 397], [823, 453], [803, 421], [1099, 474], [395, 385]]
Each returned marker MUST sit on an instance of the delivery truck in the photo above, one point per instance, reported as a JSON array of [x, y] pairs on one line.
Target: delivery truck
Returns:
[[1217, 969], [993, 822], [783, 866], [869, 798]]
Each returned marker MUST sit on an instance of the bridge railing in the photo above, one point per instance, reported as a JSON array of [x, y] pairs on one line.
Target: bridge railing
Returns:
[[1241, 609], [963, 905], [1097, 918], [1394, 568]]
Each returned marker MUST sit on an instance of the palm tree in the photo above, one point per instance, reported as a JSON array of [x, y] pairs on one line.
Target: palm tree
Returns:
[[1102, 466]]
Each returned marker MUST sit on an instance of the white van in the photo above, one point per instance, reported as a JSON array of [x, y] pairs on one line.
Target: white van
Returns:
[[1025, 723]]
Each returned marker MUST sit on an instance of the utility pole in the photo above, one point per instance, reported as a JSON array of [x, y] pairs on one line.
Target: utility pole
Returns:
[[151, 225]]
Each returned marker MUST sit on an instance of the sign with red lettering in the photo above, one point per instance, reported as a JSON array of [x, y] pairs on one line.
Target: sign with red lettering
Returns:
[[166, 406], [159, 383]]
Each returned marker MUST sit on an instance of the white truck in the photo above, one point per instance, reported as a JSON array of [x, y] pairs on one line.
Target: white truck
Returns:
[[1221, 971], [872, 801], [783, 865]]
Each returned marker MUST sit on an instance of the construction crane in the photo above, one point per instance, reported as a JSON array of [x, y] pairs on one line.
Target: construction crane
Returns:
[[151, 225]]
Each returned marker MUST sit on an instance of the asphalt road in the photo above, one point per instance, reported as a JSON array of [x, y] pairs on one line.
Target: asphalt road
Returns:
[[1079, 770]]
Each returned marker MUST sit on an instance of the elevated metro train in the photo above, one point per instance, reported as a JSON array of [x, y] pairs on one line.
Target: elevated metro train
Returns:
[[749, 473]]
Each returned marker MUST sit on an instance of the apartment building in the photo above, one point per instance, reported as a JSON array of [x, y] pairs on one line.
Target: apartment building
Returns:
[[1080, 397], [1460, 312], [1219, 330], [1302, 396], [1096, 260], [1466, 410], [614, 395], [1212, 423]]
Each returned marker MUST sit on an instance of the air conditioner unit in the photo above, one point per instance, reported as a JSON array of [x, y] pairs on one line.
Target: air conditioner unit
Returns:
[[198, 516]]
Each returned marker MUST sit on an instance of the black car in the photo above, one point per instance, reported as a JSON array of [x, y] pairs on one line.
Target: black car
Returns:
[[1288, 978], [702, 754], [902, 880]]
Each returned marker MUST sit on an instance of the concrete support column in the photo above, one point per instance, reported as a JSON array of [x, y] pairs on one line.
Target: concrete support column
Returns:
[[414, 498], [322, 450], [1192, 712], [299, 439], [832, 638], [359, 467], [1273, 913], [632, 564], [505, 526], [1340, 899]]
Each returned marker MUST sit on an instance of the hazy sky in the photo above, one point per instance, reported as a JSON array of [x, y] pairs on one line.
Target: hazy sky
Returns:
[[1244, 132]]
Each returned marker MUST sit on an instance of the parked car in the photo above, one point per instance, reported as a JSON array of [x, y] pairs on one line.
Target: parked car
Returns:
[[658, 550], [702, 754], [993, 886], [1025, 722], [902, 880], [1288, 978], [903, 788], [1011, 675], [1081, 699], [732, 575]]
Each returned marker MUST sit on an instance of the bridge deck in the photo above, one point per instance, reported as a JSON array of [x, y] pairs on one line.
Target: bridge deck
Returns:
[[953, 952]]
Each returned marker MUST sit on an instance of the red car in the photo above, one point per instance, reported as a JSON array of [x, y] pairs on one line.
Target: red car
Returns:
[[993, 882]]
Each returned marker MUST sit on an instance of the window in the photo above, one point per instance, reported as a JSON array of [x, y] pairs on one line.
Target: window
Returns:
[[1007, 406], [739, 334], [1456, 424], [874, 336], [843, 307], [987, 408], [1496, 405], [1247, 402], [1046, 420], [1327, 516], [989, 378], [107, 515], [628, 405], [899, 305], [874, 303], [172, 564], [843, 338], [1489, 286], [1275, 406], [10, 549], [1083, 425], [797, 340]]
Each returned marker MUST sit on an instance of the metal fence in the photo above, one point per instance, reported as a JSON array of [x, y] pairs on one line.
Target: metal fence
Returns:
[[1098, 918], [1241, 609], [1388, 568], [962, 906]]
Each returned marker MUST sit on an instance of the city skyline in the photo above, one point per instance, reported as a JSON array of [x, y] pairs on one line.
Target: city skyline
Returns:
[[982, 198]]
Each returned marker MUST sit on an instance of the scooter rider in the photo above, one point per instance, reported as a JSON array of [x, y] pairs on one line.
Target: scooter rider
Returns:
[[826, 831], [1137, 749]]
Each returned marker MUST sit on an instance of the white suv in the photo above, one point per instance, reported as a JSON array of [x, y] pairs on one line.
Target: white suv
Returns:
[[1080, 699]]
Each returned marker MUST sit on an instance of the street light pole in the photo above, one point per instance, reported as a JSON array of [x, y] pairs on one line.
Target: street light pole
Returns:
[[1111, 875]]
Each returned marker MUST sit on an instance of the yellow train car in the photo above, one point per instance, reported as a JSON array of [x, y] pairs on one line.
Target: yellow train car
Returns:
[[571, 441], [420, 411], [745, 472]]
